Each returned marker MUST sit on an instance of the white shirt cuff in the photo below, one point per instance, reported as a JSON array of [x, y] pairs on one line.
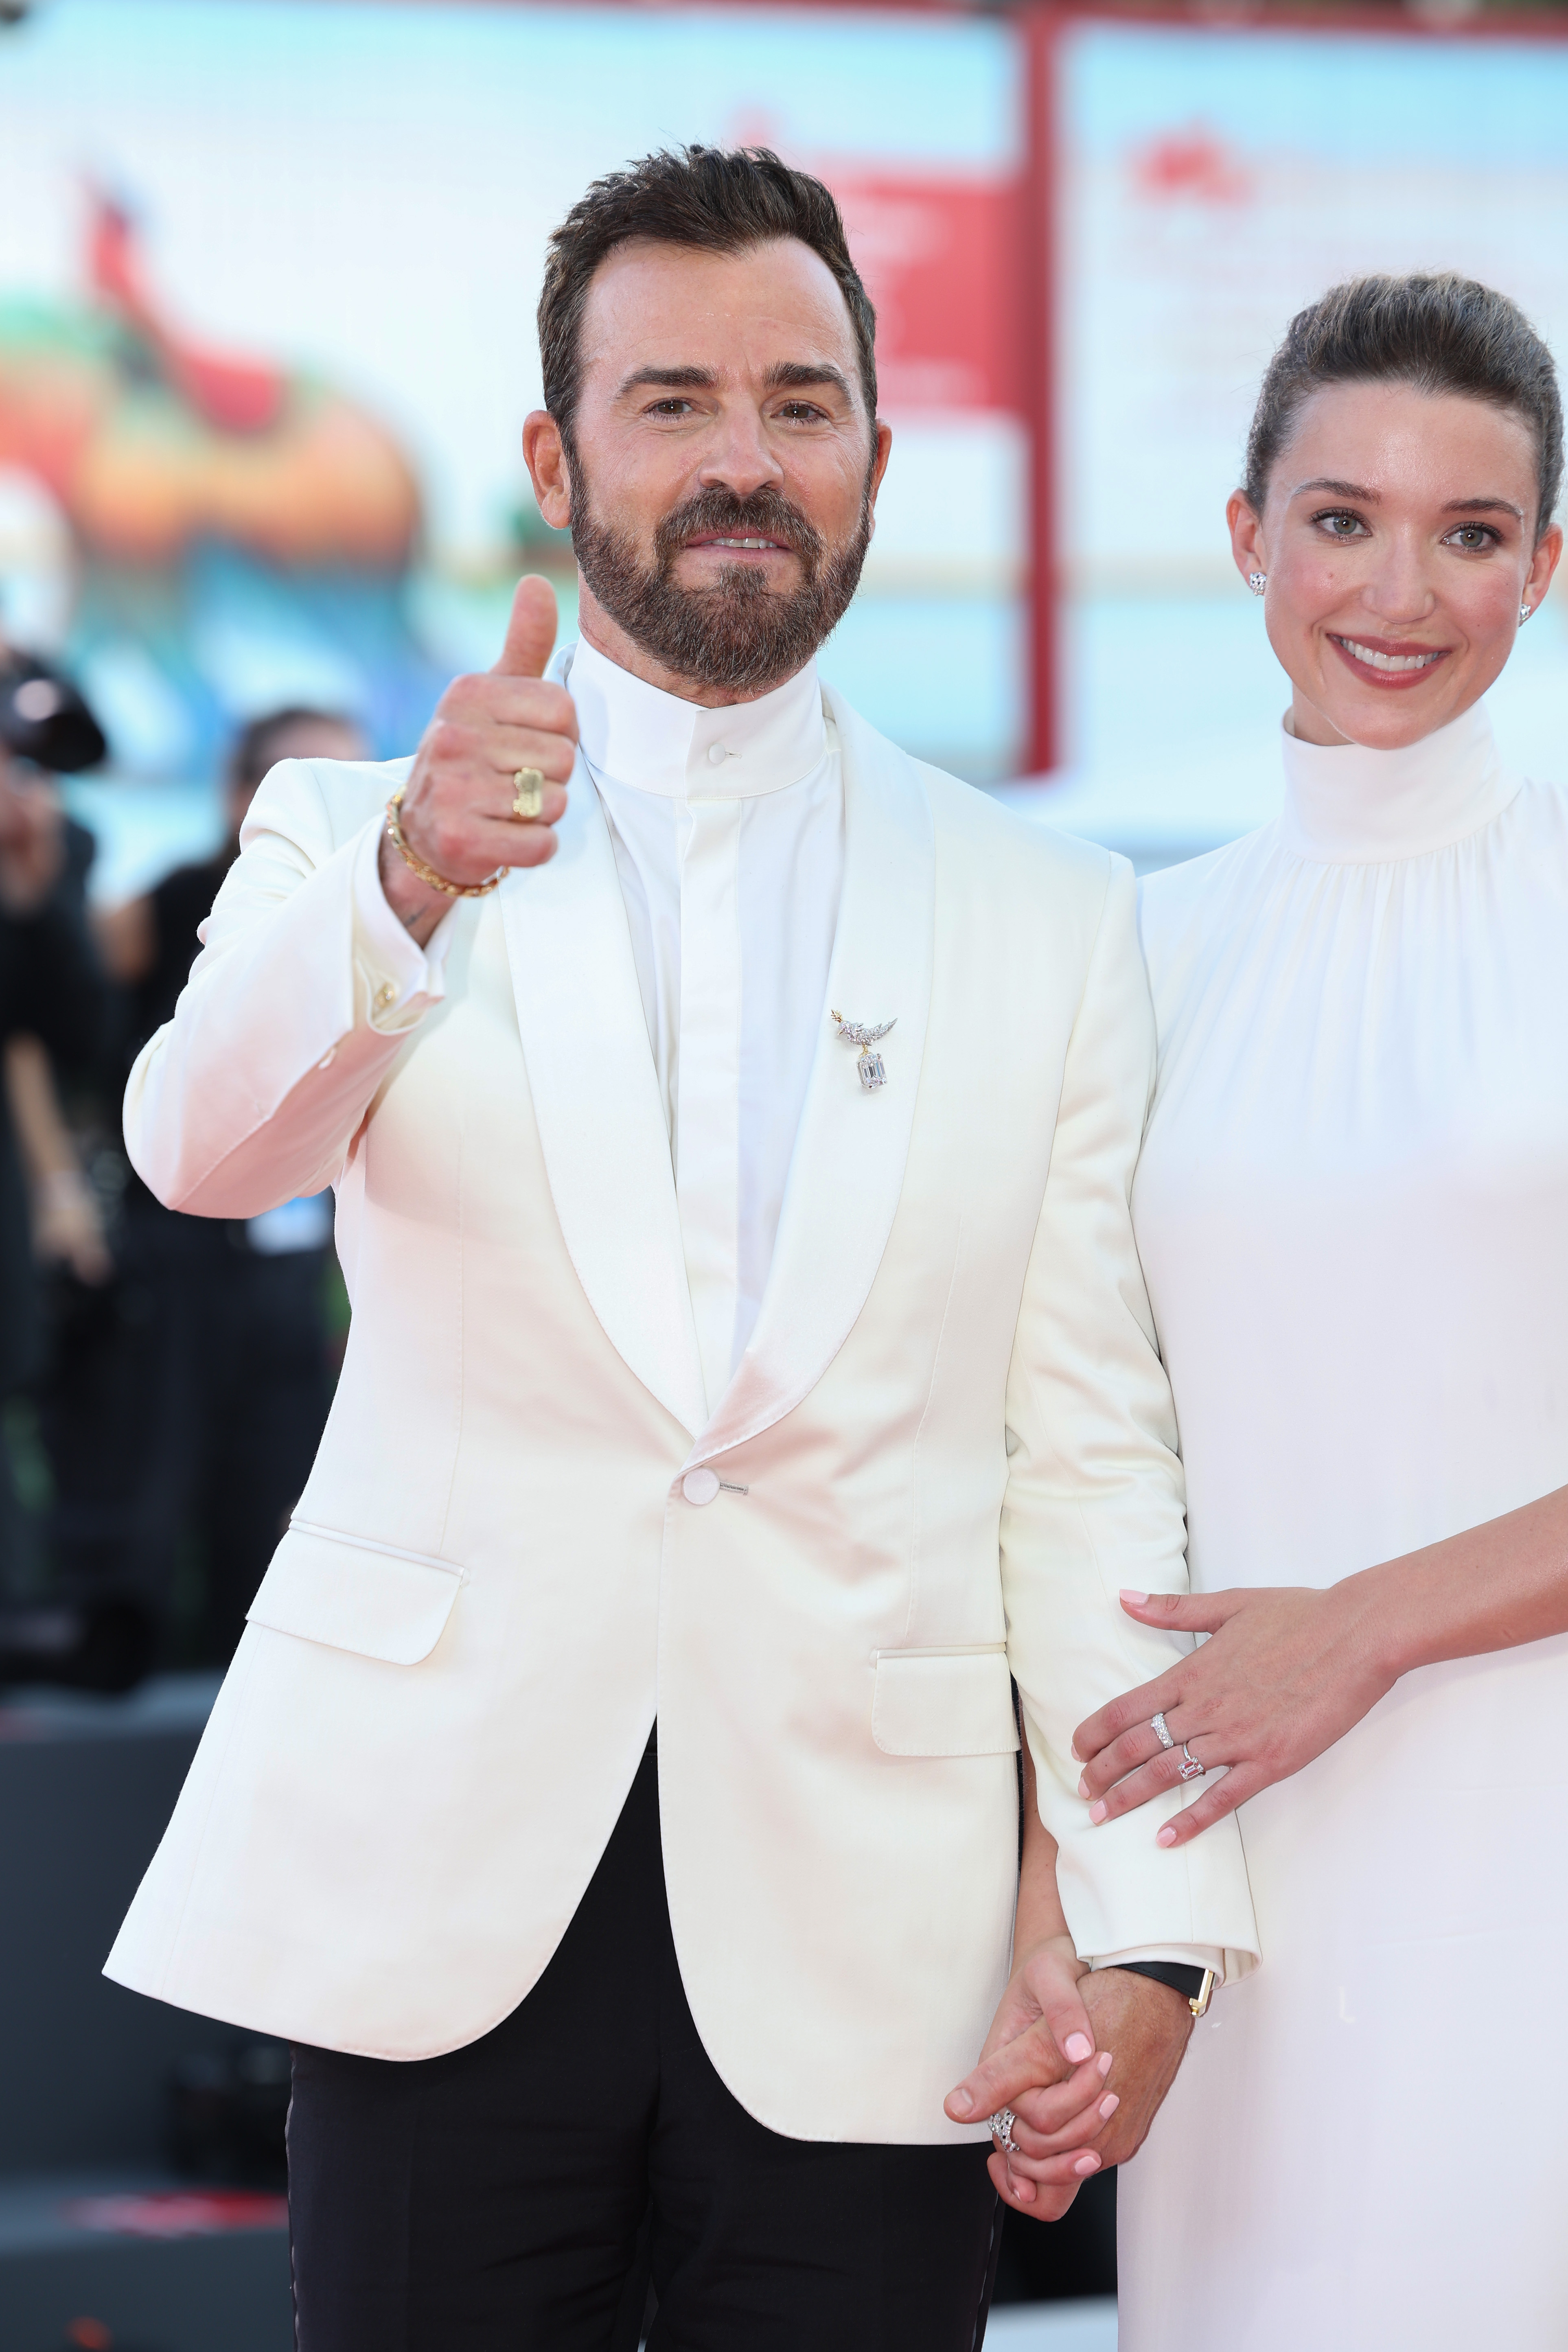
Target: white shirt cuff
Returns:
[[404, 978], [1183, 1955]]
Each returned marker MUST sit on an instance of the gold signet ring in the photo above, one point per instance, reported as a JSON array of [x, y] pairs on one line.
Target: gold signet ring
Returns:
[[529, 805]]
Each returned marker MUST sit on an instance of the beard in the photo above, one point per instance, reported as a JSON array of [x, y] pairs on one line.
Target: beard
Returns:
[[737, 636]]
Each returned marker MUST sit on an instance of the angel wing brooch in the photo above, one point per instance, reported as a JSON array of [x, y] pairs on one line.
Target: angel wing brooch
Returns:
[[873, 1072]]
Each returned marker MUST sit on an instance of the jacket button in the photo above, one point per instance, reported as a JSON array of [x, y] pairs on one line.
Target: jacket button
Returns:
[[699, 1485]]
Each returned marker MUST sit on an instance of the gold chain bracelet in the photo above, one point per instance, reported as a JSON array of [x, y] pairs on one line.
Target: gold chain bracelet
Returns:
[[428, 874]]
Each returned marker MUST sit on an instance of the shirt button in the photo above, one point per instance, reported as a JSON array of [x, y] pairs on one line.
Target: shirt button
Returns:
[[385, 995], [717, 755], [699, 1485]]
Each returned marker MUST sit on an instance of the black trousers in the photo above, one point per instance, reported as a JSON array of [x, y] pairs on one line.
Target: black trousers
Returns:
[[510, 2196]]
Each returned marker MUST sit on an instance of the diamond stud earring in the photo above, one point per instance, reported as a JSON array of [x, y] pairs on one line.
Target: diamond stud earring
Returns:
[[1524, 612], [1258, 582]]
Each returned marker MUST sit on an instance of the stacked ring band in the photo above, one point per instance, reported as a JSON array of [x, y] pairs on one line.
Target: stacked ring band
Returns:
[[1157, 1726], [1001, 2124]]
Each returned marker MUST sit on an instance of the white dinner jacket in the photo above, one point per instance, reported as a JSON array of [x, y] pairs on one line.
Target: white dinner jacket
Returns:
[[947, 1446]]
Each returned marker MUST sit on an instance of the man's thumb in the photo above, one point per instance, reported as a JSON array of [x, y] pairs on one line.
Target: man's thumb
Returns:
[[530, 632]]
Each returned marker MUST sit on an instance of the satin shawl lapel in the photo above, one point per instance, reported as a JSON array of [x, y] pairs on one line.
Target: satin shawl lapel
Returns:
[[596, 1100], [847, 1169]]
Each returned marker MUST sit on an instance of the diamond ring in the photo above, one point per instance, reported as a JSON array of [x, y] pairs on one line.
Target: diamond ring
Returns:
[[1001, 2124], [1191, 1769], [529, 805], [1157, 1726]]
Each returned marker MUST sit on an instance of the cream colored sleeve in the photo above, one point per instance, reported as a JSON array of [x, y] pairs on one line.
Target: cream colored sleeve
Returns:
[[293, 1014], [1095, 1496]]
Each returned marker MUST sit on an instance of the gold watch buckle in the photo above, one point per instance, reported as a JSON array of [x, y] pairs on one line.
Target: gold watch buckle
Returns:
[[1204, 1995]]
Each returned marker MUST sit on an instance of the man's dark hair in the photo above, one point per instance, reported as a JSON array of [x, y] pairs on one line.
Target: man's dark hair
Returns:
[[1437, 334], [254, 750], [719, 200]]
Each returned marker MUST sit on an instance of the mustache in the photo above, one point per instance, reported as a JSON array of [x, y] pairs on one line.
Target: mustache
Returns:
[[764, 514]]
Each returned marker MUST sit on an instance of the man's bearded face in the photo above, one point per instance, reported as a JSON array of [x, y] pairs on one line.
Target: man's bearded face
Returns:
[[735, 634]]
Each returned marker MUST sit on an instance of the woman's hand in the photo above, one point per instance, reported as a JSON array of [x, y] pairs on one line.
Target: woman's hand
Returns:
[[1041, 2045], [1286, 1672]]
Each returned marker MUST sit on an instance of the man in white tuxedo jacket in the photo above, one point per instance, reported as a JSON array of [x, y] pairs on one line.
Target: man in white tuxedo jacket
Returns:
[[731, 1121]]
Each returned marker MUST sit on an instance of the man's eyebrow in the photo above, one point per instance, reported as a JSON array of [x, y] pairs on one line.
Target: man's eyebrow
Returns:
[[1339, 491], [673, 379], [1484, 506], [799, 375]]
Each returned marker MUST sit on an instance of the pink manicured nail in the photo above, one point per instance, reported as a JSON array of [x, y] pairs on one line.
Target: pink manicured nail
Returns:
[[1083, 1784], [1167, 1836], [1024, 2190], [1108, 2106], [1139, 1600], [1072, 1751], [1097, 1813], [1078, 2047], [1086, 2165], [1104, 2063]]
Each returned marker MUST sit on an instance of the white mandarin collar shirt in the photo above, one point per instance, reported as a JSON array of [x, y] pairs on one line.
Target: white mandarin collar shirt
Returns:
[[728, 830]]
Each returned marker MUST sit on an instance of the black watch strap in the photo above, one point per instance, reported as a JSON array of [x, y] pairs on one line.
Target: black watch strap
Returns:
[[1195, 1985]]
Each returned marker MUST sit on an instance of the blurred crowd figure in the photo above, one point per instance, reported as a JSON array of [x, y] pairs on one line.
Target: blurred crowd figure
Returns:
[[53, 1002], [175, 1372]]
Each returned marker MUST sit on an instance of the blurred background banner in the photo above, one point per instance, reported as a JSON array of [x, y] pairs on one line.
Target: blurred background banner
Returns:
[[268, 273], [1207, 182], [268, 270]]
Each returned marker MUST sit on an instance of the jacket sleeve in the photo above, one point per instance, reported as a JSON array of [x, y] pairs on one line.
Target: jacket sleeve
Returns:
[[291, 1018], [1095, 1497]]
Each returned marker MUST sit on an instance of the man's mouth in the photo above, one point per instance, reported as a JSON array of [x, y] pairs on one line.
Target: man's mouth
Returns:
[[746, 546], [1401, 662]]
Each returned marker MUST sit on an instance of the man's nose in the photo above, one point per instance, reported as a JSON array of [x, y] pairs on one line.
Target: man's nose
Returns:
[[739, 456]]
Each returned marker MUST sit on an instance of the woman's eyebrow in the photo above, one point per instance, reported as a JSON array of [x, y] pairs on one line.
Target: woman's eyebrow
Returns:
[[1339, 491], [1484, 506]]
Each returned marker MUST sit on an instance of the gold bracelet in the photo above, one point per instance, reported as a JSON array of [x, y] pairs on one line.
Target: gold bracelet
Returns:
[[428, 874]]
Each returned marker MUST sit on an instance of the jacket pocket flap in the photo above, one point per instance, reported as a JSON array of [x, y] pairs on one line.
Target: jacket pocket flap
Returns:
[[944, 1703], [355, 1594]]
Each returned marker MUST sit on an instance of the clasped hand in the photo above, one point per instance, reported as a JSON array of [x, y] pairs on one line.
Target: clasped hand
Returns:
[[1287, 1671], [1056, 2037]]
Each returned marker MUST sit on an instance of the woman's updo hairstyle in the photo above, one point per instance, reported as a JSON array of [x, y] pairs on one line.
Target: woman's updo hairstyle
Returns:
[[1442, 333]]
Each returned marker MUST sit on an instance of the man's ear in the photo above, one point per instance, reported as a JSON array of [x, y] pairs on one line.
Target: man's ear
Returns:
[[883, 443], [545, 457]]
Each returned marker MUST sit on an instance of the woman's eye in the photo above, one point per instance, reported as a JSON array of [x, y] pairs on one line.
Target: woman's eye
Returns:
[[1474, 538], [1337, 524]]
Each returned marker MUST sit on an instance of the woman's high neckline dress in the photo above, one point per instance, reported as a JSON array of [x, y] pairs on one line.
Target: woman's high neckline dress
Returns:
[[1352, 1212]]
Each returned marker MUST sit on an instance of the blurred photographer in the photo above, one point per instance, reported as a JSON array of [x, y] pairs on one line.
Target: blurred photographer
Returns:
[[52, 990], [183, 1427]]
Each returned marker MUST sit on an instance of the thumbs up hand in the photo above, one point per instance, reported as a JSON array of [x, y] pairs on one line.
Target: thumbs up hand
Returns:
[[458, 811]]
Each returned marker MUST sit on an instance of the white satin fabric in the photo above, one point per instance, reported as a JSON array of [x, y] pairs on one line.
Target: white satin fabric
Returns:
[[1352, 1213], [728, 829], [947, 1444]]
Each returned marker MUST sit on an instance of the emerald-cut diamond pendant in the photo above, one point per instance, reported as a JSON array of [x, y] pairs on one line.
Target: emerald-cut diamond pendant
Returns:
[[871, 1066]]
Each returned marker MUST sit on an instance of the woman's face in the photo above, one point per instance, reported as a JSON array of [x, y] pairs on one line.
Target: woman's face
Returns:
[[1398, 536]]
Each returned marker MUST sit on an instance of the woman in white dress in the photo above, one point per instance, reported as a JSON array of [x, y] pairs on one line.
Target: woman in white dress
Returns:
[[1352, 1211]]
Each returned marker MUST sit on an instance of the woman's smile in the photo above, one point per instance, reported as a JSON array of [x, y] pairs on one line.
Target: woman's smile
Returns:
[[1381, 662]]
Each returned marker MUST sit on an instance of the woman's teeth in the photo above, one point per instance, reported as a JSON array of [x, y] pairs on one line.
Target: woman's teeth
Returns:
[[1376, 660]]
